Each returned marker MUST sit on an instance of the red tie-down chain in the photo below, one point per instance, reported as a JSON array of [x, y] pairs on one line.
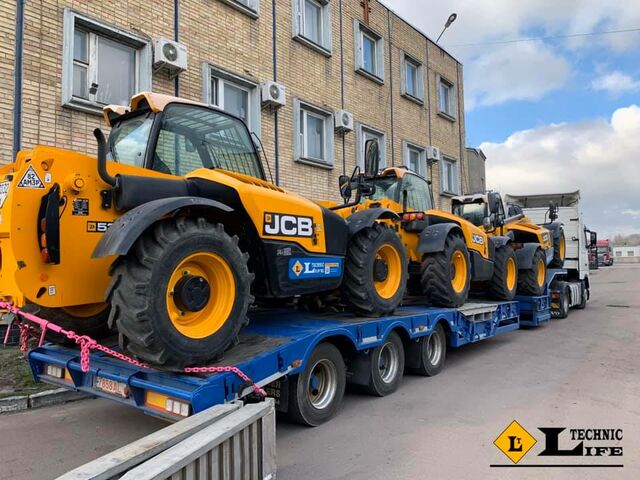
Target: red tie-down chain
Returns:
[[87, 344]]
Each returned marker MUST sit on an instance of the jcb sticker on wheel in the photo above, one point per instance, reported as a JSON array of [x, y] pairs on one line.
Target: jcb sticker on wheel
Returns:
[[30, 179], [283, 225], [98, 227], [306, 268]]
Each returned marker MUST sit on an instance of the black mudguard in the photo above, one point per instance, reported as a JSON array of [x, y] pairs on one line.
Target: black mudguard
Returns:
[[524, 255], [433, 238], [366, 218], [123, 233], [555, 228]]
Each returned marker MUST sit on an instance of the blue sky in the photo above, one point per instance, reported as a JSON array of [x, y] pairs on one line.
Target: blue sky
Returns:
[[554, 114]]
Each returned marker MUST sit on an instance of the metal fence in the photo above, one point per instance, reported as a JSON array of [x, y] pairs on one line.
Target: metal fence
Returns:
[[226, 442]]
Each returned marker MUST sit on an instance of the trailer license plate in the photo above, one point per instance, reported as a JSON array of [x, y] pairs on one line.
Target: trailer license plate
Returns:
[[111, 386]]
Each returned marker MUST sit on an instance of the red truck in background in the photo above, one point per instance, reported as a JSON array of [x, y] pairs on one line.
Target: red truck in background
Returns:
[[605, 253]]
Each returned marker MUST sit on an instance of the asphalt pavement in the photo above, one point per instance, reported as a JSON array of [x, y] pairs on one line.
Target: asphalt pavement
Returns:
[[582, 372]]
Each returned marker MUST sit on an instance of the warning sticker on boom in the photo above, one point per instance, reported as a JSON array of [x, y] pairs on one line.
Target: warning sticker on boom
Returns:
[[30, 179]]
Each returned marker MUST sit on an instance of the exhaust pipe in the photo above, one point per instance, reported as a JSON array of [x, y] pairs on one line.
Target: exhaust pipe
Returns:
[[102, 159]]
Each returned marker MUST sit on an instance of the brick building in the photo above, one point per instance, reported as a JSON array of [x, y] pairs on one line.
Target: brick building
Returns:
[[331, 55]]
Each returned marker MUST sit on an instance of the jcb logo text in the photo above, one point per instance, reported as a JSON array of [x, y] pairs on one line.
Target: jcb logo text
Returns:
[[283, 225]]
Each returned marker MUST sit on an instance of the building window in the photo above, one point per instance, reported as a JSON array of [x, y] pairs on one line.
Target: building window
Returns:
[[102, 64], [415, 158], [249, 7], [314, 134], [446, 98], [233, 94], [369, 53], [412, 79], [618, 253], [630, 253], [449, 175], [365, 133], [312, 24]]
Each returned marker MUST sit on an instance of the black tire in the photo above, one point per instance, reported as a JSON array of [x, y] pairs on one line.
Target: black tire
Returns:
[[558, 245], [427, 356], [564, 299], [387, 366], [528, 283], [584, 294], [140, 295], [310, 405], [437, 274], [504, 282], [361, 267], [94, 326]]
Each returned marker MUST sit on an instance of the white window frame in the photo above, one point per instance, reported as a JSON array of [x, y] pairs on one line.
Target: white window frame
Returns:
[[248, 7], [223, 76], [418, 97], [360, 31], [299, 140], [326, 43], [456, 170], [361, 131], [143, 57], [407, 148], [452, 106]]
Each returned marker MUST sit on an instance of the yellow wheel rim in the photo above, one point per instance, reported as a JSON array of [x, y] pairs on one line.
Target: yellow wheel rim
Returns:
[[389, 286], [210, 318], [562, 247], [86, 311], [542, 272], [511, 273], [459, 271]]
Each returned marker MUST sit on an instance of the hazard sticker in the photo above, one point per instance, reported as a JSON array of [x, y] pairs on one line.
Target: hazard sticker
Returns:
[[30, 179]]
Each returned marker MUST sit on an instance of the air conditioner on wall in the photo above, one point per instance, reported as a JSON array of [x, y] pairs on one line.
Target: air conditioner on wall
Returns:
[[433, 154], [273, 94], [344, 121], [169, 55]]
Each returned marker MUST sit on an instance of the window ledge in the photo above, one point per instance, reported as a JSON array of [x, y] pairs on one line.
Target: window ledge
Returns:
[[444, 193], [370, 76], [313, 45], [446, 116], [315, 163], [413, 99], [242, 8], [83, 106]]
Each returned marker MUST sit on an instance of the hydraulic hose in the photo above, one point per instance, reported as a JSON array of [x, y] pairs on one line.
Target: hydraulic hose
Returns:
[[102, 158]]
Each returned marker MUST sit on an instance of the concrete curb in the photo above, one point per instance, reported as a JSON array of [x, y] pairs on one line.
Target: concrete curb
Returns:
[[39, 400]]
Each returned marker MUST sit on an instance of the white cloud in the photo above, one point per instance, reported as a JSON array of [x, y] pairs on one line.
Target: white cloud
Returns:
[[616, 83], [596, 156]]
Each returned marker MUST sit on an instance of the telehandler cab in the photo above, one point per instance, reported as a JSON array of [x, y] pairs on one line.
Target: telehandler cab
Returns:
[[174, 230], [446, 253], [535, 246]]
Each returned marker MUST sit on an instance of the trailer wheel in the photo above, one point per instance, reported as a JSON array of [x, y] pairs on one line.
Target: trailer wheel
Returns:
[[504, 282], [584, 294], [559, 250], [564, 303], [427, 356], [532, 281], [387, 366], [316, 394], [446, 275]]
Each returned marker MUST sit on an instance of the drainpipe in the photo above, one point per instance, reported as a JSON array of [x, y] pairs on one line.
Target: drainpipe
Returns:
[[17, 82], [275, 79], [393, 153], [344, 144], [176, 37]]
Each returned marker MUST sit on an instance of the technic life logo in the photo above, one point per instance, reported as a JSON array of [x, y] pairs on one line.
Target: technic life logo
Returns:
[[305, 268], [574, 447]]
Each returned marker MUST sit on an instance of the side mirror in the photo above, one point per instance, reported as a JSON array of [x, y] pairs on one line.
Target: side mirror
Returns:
[[494, 202], [371, 158], [594, 239], [486, 223], [345, 187]]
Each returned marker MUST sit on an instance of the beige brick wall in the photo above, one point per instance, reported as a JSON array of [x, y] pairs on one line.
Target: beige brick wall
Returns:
[[226, 38]]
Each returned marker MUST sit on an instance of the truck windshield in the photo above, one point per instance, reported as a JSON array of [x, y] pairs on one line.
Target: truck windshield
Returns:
[[386, 187], [472, 212], [128, 140]]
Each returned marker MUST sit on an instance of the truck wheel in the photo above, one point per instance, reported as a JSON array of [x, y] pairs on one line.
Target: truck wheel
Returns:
[[504, 282], [559, 250], [375, 276], [181, 295], [316, 394], [427, 356], [446, 275], [532, 281], [584, 295], [90, 320], [564, 304], [387, 366]]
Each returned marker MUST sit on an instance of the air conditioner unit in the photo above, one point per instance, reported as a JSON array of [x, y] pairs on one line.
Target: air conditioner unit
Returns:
[[433, 154], [169, 55], [344, 121], [273, 94]]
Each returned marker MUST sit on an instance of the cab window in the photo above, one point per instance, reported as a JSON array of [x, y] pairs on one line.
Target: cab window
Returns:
[[418, 193]]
